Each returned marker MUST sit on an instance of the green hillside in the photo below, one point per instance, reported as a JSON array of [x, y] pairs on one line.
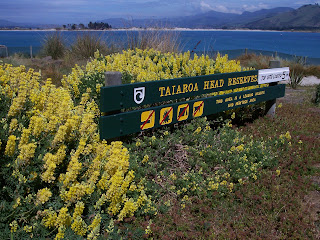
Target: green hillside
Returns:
[[305, 18]]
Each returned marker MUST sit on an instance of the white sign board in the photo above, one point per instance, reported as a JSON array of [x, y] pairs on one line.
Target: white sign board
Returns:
[[273, 75]]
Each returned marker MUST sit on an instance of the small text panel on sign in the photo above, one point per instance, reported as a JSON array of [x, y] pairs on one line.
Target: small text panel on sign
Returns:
[[273, 75]]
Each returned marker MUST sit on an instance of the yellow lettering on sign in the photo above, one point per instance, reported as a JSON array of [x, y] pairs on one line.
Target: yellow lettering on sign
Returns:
[[253, 100], [178, 89], [213, 84], [185, 88], [260, 93], [147, 119], [218, 101], [206, 85], [242, 80], [161, 89], [197, 109], [168, 92], [230, 105], [228, 99], [173, 87], [248, 95], [183, 112], [196, 89]]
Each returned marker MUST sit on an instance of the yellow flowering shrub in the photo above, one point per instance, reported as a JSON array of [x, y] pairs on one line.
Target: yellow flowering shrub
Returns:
[[61, 175], [147, 65], [57, 166]]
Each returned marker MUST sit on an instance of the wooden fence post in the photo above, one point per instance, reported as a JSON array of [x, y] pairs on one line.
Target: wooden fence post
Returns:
[[113, 78], [271, 105]]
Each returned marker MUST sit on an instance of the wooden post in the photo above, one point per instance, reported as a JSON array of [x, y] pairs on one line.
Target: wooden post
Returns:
[[246, 51], [271, 105], [30, 51], [113, 78]]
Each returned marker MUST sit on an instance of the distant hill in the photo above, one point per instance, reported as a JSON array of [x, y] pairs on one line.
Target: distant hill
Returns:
[[5, 23], [211, 19], [304, 18], [283, 18], [11, 25]]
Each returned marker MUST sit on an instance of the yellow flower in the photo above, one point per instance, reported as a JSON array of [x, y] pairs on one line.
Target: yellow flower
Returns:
[[43, 195], [287, 135], [198, 130], [11, 145], [173, 177], [14, 226], [145, 159], [27, 229]]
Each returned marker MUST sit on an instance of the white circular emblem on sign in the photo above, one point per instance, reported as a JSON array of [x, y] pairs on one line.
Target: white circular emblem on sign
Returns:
[[138, 94]]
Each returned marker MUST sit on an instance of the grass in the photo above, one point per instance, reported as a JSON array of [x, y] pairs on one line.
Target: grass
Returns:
[[87, 44], [262, 62], [54, 45], [164, 41], [272, 207]]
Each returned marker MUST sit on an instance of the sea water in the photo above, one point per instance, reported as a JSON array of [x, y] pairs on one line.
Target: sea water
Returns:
[[305, 44]]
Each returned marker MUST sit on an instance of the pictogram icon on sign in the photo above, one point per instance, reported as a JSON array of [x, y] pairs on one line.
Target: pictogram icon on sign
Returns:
[[183, 112], [138, 94], [198, 109], [166, 115], [147, 119]]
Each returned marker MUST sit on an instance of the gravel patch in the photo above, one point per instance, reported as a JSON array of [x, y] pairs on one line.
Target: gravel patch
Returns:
[[308, 81]]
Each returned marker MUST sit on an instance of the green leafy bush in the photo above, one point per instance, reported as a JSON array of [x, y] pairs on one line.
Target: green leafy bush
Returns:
[[316, 97], [193, 160]]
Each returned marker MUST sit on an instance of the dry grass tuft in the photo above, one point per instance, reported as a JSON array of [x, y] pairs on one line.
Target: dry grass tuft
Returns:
[[164, 41]]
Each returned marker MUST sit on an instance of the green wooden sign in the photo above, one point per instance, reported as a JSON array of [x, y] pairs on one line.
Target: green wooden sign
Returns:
[[135, 121], [139, 94]]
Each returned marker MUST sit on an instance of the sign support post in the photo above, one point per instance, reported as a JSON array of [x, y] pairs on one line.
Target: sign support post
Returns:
[[271, 105]]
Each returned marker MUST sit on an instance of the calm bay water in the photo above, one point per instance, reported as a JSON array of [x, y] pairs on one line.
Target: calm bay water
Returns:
[[293, 43]]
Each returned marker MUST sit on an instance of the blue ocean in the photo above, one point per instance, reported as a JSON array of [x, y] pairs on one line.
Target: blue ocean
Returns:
[[234, 43]]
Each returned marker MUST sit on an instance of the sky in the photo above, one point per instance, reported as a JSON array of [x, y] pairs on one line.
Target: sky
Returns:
[[84, 11]]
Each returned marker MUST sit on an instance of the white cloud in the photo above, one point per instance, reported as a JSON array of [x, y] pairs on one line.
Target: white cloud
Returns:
[[303, 2], [205, 6], [219, 8], [252, 8]]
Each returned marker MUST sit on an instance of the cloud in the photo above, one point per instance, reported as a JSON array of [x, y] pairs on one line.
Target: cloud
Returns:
[[252, 8], [303, 2], [216, 7]]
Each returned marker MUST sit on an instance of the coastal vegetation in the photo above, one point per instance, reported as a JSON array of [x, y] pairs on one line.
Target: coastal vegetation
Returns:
[[237, 175]]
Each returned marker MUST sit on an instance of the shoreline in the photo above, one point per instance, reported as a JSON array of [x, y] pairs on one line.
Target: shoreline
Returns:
[[156, 29]]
